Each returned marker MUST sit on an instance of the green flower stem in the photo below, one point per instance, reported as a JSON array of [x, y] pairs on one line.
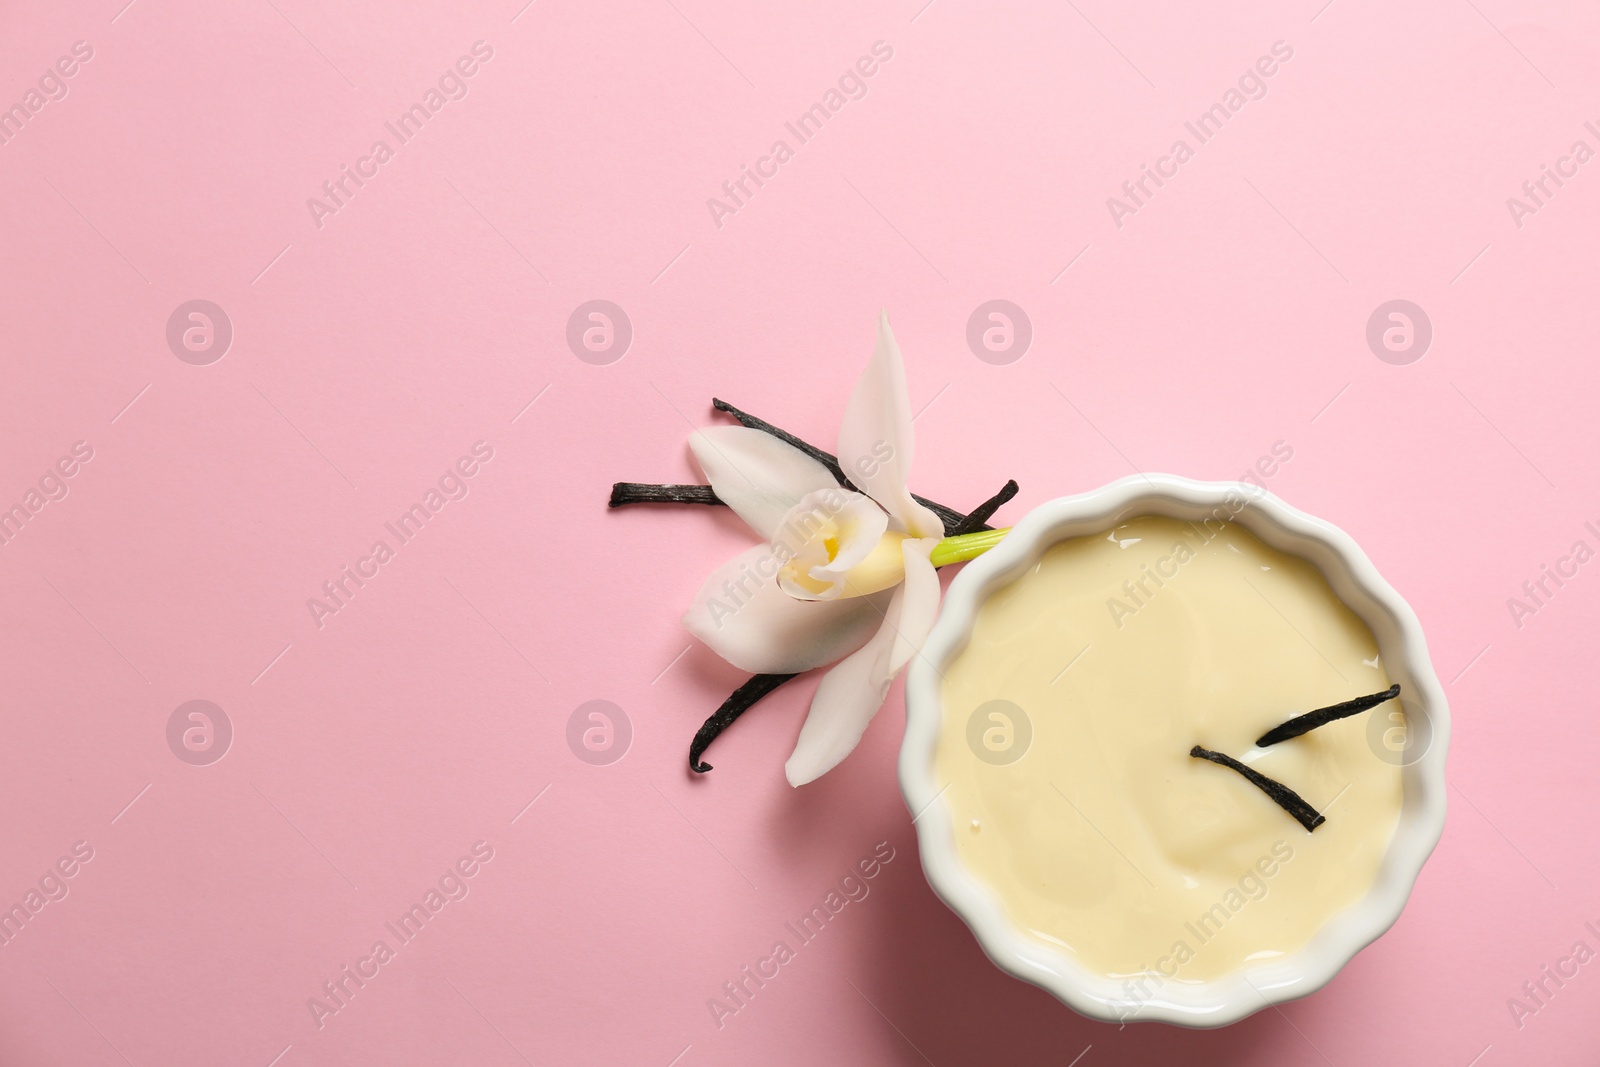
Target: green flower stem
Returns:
[[966, 546]]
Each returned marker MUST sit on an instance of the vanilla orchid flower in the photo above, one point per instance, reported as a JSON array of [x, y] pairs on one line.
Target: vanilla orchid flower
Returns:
[[843, 577]]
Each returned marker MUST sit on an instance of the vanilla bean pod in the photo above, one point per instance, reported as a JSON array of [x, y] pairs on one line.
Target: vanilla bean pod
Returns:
[[739, 701], [1282, 795], [1304, 724], [979, 515], [648, 493]]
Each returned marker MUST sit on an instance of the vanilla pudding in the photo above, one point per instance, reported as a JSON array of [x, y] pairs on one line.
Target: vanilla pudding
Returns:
[[1064, 751]]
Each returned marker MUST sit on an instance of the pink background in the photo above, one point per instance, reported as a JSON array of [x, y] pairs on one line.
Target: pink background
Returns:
[[369, 353]]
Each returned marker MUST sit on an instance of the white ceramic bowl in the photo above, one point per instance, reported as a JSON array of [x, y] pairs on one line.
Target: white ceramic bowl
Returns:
[[1356, 582]]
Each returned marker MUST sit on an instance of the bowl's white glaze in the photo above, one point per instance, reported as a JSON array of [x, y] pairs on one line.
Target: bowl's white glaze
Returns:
[[1355, 581]]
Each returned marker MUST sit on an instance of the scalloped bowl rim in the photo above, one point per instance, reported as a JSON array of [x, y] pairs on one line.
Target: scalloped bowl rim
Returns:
[[1354, 579]]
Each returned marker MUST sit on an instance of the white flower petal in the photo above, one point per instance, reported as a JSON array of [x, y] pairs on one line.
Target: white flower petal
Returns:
[[747, 620], [848, 697], [919, 604], [757, 475], [853, 691], [875, 438]]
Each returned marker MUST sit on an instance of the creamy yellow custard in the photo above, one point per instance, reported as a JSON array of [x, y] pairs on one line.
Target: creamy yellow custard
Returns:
[[1064, 751]]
